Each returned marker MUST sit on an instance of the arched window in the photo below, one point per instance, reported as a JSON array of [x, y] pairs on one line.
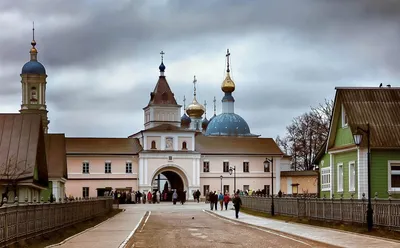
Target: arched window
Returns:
[[153, 145], [184, 145], [33, 95]]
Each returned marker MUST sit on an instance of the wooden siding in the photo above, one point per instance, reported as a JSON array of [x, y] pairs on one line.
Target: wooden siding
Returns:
[[344, 158], [343, 134], [379, 171]]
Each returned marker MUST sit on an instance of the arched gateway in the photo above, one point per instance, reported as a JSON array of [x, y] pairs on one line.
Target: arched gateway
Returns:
[[168, 178]]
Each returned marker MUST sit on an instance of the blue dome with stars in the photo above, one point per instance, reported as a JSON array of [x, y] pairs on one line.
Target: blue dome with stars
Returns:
[[228, 124], [33, 67]]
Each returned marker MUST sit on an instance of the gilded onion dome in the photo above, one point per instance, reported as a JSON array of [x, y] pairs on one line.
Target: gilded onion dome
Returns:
[[228, 86], [195, 109]]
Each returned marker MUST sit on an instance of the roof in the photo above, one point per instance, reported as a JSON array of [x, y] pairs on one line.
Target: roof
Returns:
[[56, 155], [378, 107], [236, 145], [299, 173], [33, 67], [100, 146], [165, 128], [22, 148], [162, 94], [228, 124]]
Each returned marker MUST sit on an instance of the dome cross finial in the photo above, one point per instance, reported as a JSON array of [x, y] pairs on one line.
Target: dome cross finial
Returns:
[[33, 51], [205, 108], [194, 86], [215, 106], [162, 56], [162, 66], [184, 102], [227, 60]]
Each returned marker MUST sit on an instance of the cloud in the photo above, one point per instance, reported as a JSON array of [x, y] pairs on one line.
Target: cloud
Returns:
[[102, 59]]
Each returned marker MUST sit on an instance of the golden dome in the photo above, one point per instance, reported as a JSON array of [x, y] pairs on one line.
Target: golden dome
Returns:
[[33, 50], [195, 109], [228, 86]]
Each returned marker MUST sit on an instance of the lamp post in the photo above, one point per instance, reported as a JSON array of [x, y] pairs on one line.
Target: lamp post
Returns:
[[221, 183], [358, 135], [269, 162], [233, 169]]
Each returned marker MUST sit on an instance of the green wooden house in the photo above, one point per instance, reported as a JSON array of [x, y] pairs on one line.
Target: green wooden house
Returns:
[[343, 165]]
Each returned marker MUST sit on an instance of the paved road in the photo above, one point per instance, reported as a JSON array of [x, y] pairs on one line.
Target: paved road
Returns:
[[176, 228]]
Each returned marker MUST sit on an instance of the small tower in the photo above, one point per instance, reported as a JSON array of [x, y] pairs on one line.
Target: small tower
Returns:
[[33, 79], [215, 109], [204, 124], [185, 120], [195, 110], [228, 86]]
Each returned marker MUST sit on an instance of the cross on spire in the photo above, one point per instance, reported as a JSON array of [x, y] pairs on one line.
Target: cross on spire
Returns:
[[205, 107], [194, 85], [184, 102], [33, 30], [162, 56], [215, 105], [227, 60]]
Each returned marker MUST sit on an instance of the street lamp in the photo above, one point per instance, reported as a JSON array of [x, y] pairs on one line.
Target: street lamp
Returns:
[[358, 135], [221, 182], [269, 162], [234, 176]]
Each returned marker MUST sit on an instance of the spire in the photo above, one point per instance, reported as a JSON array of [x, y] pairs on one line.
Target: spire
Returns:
[[205, 108], [227, 60], [228, 86], [162, 66], [194, 86], [184, 103], [33, 51], [215, 106]]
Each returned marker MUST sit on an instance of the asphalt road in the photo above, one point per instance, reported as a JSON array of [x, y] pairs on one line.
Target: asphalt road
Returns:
[[177, 228]]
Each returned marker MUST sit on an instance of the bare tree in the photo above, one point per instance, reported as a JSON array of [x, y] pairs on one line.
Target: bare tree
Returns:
[[306, 134], [11, 172]]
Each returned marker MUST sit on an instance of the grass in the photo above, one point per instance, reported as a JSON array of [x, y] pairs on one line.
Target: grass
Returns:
[[61, 234], [356, 228]]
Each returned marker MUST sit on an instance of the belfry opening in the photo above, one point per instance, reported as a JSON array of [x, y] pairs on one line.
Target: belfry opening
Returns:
[[168, 181]]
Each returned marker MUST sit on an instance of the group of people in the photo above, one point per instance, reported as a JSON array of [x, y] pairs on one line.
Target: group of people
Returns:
[[213, 198]]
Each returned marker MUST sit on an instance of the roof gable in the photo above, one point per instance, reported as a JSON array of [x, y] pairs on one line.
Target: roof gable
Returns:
[[378, 107], [22, 147], [162, 94]]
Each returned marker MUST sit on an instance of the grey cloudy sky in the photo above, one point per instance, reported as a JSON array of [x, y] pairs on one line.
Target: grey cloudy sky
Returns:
[[102, 56]]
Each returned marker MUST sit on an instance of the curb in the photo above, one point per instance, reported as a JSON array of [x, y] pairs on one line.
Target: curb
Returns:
[[125, 242], [272, 231], [84, 231]]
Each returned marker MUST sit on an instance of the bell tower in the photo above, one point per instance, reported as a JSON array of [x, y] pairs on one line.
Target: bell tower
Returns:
[[33, 79]]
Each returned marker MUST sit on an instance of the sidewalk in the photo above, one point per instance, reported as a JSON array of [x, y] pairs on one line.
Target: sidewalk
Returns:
[[321, 234], [108, 234]]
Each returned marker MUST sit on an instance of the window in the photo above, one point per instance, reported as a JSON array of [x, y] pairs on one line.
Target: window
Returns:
[[85, 192], [344, 117], [128, 167], [85, 167], [352, 176], [226, 189], [266, 167], [394, 176], [107, 167], [245, 166], [246, 188], [326, 179], [153, 145], [184, 145], [206, 189], [340, 178], [169, 158], [266, 189], [226, 166], [206, 166]]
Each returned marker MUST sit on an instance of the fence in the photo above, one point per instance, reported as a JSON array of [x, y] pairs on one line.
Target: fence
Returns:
[[20, 221], [386, 211]]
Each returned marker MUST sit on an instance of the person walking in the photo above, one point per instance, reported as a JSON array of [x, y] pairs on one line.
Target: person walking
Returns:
[[226, 200], [237, 202], [221, 200], [158, 196], [174, 197], [211, 199], [198, 196], [215, 200]]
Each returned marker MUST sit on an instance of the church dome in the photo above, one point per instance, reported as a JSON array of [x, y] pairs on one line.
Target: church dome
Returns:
[[228, 86], [33, 67], [204, 123], [228, 124], [195, 109], [185, 121]]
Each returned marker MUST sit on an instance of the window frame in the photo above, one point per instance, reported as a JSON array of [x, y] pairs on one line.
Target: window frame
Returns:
[[153, 144], [325, 174], [352, 176], [246, 166], [83, 192], [87, 167], [390, 173], [184, 145], [225, 166], [205, 189], [105, 167], [128, 167], [340, 177], [345, 121], [206, 166], [226, 186]]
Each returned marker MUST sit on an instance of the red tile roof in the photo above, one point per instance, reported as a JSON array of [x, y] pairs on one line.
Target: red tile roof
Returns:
[[106, 146], [162, 94]]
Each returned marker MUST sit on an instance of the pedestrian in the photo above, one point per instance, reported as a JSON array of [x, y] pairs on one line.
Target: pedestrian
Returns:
[[174, 197], [215, 196], [226, 200], [183, 197], [149, 196], [237, 202], [211, 199], [198, 195], [221, 200], [158, 196]]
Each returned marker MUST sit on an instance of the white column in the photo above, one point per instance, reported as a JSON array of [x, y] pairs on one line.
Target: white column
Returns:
[[277, 164], [145, 142], [141, 171], [193, 143], [162, 142], [362, 168], [145, 172], [194, 171], [198, 172], [55, 190], [176, 145], [332, 172]]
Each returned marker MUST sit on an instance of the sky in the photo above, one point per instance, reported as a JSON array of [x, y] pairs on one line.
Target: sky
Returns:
[[102, 57]]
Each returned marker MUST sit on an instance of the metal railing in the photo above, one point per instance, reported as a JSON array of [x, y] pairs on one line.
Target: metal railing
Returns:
[[19, 221], [386, 211]]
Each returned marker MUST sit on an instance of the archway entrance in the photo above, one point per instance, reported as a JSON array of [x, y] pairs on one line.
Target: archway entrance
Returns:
[[167, 180]]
